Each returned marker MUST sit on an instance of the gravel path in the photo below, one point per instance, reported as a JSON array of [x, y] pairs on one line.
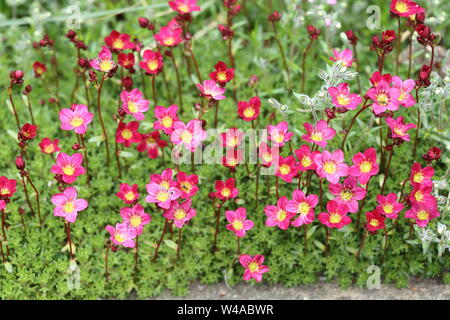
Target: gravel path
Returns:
[[417, 290]]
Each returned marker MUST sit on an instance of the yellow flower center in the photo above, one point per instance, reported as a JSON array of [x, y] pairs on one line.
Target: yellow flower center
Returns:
[[183, 7], [304, 208], [118, 44], [285, 169], [281, 215], [167, 121], [233, 141], [382, 99], [422, 215], [180, 214], [418, 177], [374, 222], [343, 100], [238, 225], [401, 7], [329, 167], [69, 170], [49, 148], [388, 208], [135, 221], [365, 166], [186, 186], [4, 191], [186, 136], [346, 195], [278, 138], [119, 237], [316, 136], [335, 218], [419, 196], [76, 122], [226, 192], [129, 196], [402, 96], [249, 112], [306, 162], [232, 162], [152, 65], [267, 157], [222, 76], [169, 41], [132, 107], [68, 207], [399, 131], [165, 184], [106, 65], [127, 134], [162, 196], [253, 267]]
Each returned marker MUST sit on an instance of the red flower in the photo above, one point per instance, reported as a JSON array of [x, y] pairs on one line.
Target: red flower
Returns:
[[287, 168], [232, 138], [126, 60], [222, 75], [226, 190], [313, 32], [127, 133], [250, 110], [434, 153], [152, 62], [48, 146], [7, 187], [421, 176], [118, 41], [268, 155], [375, 221], [187, 184], [128, 194], [27, 132], [232, 158], [151, 143], [39, 69]]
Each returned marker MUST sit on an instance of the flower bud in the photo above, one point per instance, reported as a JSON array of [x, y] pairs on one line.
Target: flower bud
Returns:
[[20, 164]]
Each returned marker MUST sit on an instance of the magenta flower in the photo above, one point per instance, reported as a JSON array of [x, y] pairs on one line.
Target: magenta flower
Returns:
[[187, 184], [422, 214], [345, 57], [375, 221], [166, 118], [279, 133], [267, 155], [226, 190], [384, 97], [342, 98], [287, 168], [104, 61], [211, 90], [238, 222], [279, 215], [67, 204], [69, 167], [134, 104], [232, 138], [304, 206], [336, 217], [135, 217], [399, 128], [331, 166], [254, 267], [348, 193], [421, 195], [169, 36], [128, 194], [160, 195], [405, 98], [77, 118], [364, 165], [184, 6], [389, 206], [123, 234], [421, 176], [190, 135], [319, 134], [305, 158], [180, 213], [165, 179]]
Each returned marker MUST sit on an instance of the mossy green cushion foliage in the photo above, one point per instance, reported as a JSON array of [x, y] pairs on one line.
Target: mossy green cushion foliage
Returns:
[[39, 261]]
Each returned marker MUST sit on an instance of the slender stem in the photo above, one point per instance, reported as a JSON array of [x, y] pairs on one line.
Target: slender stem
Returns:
[[305, 236], [197, 70], [361, 246], [26, 194], [358, 78], [136, 255], [386, 172], [351, 125], [320, 195], [117, 152], [327, 241], [386, 238], [37, 199], [177, 73], [30, 109], [144, 86], [363, 202], [75, 87], [70, 240], [179, 243], [86, 159], [305, 53], [99, 109], [397, 58], [106, 264], [382, 153], [257, 185], [276, 187], [283, 57], [155, 101], [16, 116], [55, 63], [1, 251], [216, 232], [216, 114], [238, 251], [4, 231], [410, 53], [155, 256]]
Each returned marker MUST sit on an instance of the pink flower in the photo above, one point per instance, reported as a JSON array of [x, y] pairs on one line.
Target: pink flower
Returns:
[[319, 134], [135, 217], [7, 187], [77, 118], [180, 213], [348, 193], [187, 184], [376, 78], [238, 222], [399, 128], [287, 168], [232, 158], [422, 214], [421, 195], [190, 135], [250, 110], [331, 165], [118, 41], [304, 206], [123, 234], [384, 97], [152, 62], [165, 179], [254, 267], [68, 166], [160, 195], [405, 98], [305, 158], [336, 217], [404, 8], [128, 194], [226, 190], [375, 221], [104, 61], [279, 134], [279, 215], [389, 206], [268, 155], [421, 176], [166, 118], [342, 98], [232, 138], [151, 143], [127, 133], [184, 6], [134, 104], [67, 204], [49, 146], [345, 57], [169, 37], [211, 90], [364, 165]]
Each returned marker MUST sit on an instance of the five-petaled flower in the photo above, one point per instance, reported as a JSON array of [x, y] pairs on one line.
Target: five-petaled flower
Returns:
[[305, 158], [399, 128], [135, 217], [49, 146], [67, 204], [389, 206], [318, 134], [279, 133], [184, 6], [375, 221], [7, 187], [345, 57], [166, 118], [286, 168], [122, 234], [211, 90], [421, 176], [187, 184], [348, 193], [127, 133], [250, 110], [161, 196], [331, 165], [336, 217], [76, 118], [254, 267], [226, 190], [342, 98], [364, 165], [169, 36], [152, 62], [151, 142], [104, 61], [422, 214], [118, 41], [69, 167], [279, 215], [304, 206], [189, 135], [238, 222], [222, 75], [128, 194], [133, 103], [180, 213]]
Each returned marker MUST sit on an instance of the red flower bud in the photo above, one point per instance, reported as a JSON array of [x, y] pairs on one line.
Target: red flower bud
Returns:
[[143, 22], [20, 164], [274, 17]]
